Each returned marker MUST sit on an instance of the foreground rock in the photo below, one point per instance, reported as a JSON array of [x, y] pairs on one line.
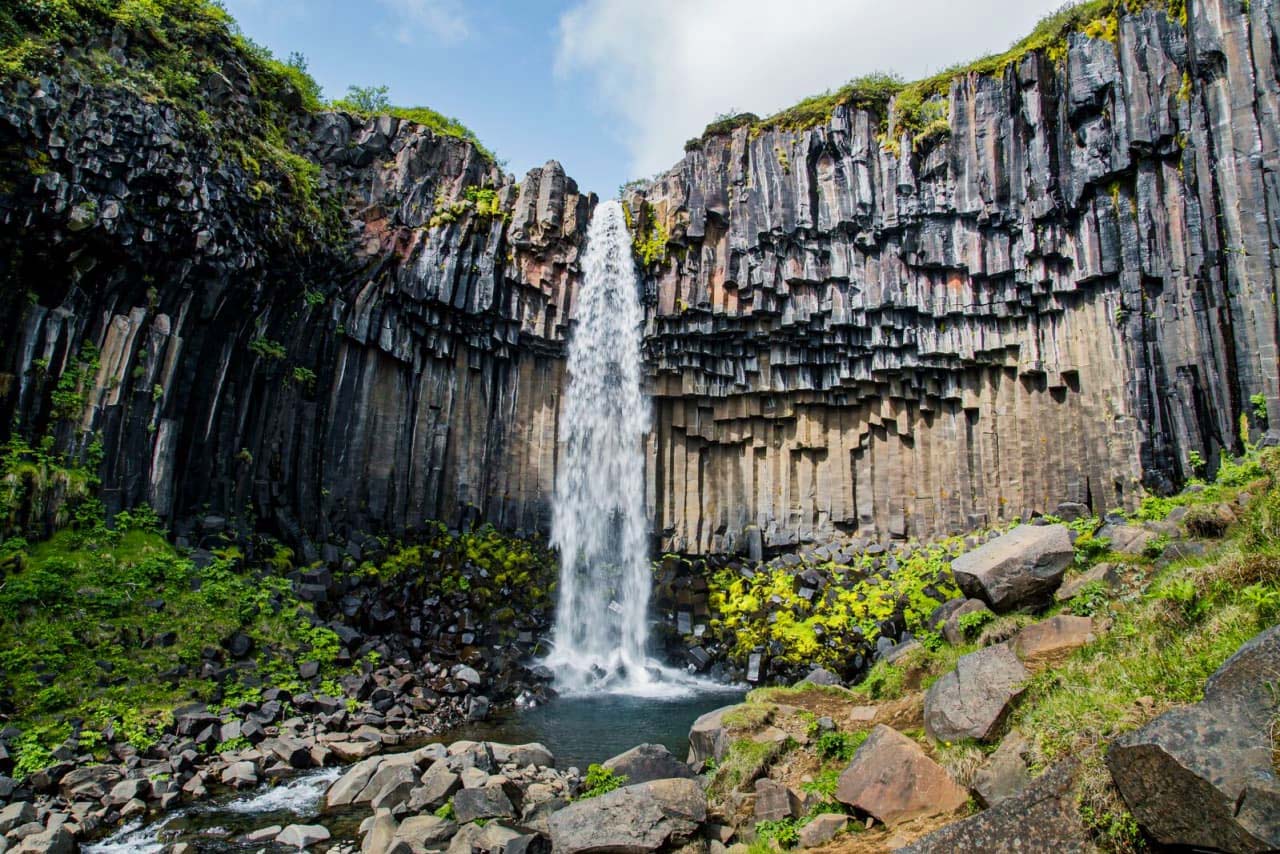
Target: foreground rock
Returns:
[[1020, 569], [708, 738], [973, 700], [1043, 818], [647, 762], [631, 820], [893, 780], [1202, 775], [1049, 642]]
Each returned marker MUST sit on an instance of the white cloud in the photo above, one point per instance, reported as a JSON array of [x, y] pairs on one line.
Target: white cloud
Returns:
[[665, 68], [442, 19]]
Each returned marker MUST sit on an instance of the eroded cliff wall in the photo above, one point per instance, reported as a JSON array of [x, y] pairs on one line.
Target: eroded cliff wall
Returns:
[[848, 335], [409, 370], [1059, 302]]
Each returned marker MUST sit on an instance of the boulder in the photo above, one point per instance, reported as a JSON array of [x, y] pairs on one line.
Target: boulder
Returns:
[[951, 630], [821, 676], [776, 801], [892, 779], [348, 787], [973, 700], [240, 775], [1126, 539], [302, 835], [708, 738], [1049, 642], [822, 829], [493, 800], [53, 840], [128, 790], [1004, 774], [1107, 574], [630, 820], [89, 782], [426, 830], [1042, 818], [1020, 569], [647, 762], [438, 785], [491, 837], [16, 815], [523, 755], [1203, 775]]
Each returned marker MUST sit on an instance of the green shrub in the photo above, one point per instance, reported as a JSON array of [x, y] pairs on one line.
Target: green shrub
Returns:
[[840, 745], [972, 623], [600, 781], [1091, 599]]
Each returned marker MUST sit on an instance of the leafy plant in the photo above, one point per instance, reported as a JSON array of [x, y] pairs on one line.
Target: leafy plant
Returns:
[[599, 781], [971, 624], [840, 745], [1091, 599]]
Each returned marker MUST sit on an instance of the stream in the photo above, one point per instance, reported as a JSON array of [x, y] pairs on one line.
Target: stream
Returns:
[[578, 730]]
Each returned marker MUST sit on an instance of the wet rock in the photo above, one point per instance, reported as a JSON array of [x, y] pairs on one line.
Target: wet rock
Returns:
[[973, 700], [640, 818], [892, 779], [647, 762], [1202, 775], [1020, 569]]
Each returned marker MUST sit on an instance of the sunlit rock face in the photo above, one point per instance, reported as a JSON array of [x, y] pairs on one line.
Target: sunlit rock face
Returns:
[[1058, 303]]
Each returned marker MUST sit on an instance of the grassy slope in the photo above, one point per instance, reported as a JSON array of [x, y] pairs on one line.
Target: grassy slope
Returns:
[[1170, 625]]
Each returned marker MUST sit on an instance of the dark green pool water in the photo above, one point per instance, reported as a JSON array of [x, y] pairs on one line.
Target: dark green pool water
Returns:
[[581, 730]]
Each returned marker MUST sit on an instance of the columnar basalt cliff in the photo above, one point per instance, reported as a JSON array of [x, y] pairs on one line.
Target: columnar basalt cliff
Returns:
[[1060, 301], [850, 333], [407, 370]]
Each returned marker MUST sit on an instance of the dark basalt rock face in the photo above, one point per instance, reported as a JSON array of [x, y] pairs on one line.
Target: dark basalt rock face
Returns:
[[401, 372], [1054, 304]]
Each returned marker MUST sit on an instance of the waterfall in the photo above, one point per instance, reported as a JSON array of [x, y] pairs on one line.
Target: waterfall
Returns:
[[598, 524]]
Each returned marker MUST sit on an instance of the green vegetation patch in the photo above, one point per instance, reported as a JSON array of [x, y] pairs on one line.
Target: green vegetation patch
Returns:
[[822, 629], [110, 627], [921, 106]]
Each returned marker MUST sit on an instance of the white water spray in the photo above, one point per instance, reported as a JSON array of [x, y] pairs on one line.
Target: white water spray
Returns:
[[598, 524]]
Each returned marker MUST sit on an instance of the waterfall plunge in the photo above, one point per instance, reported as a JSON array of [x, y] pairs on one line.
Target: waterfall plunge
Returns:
[[602, 629]]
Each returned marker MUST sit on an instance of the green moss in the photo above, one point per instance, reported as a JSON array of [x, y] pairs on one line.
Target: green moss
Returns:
[[921, 105], [651, 239], [855, 606], [483, 202]]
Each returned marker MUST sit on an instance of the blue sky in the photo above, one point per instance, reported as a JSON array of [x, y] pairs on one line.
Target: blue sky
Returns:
[[612, 88]]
